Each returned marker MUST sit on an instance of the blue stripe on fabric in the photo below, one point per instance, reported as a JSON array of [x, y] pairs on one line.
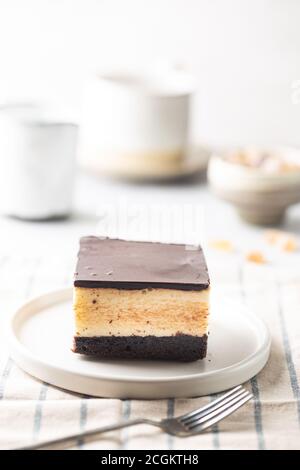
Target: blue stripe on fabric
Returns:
[[82, 420], [170, 414], [5, 376], [126, 416], [257, 413], [288, 354], [254, 385], [215, 431], [37, 420]]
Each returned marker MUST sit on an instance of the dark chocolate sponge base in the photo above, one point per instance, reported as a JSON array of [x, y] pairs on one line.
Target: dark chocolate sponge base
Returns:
[[184, 348]]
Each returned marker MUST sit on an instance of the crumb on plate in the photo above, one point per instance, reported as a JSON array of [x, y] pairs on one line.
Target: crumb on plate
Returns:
[[256, 257], [222, 245], [284, 240]]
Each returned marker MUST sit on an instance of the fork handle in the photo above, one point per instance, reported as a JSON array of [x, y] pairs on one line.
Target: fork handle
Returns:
[[85, 434]]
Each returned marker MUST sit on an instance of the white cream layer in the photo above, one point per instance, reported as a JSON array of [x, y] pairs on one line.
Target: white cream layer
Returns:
[[159, 312]]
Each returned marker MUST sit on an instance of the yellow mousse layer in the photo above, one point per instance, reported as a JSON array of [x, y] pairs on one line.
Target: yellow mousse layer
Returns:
[[159, 312]]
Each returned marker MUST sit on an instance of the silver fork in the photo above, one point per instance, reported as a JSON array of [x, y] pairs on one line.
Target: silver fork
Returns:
[[188, 424]]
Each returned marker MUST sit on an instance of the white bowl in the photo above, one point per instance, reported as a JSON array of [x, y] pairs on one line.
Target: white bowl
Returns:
[[260, 197]]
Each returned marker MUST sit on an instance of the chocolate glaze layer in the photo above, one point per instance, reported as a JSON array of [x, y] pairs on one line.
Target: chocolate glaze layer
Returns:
[[138, 265], [183, 348]]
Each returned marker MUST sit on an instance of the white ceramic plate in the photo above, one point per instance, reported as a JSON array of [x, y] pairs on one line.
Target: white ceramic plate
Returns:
[[41, 337]]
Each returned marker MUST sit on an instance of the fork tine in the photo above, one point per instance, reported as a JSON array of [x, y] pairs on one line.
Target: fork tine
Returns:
[[221, 414], [213, 406], [203, 419], [203, 408]]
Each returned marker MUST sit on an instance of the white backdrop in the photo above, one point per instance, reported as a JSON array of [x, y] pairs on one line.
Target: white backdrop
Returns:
[[245, 54]]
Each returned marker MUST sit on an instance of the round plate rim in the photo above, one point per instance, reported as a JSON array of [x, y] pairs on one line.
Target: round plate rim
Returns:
[[195, 162], [64, 294]]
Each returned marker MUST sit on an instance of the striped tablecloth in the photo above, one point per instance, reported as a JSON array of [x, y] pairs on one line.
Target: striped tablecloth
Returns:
[[30, 409]]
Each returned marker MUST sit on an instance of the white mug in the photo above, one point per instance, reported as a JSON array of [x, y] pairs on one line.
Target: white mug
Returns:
[[37, 164], [135, 123]]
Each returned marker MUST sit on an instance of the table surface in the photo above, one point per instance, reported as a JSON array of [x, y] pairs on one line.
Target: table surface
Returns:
[[39, 256]]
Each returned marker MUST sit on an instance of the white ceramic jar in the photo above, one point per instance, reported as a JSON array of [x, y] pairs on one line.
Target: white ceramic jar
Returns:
[[37, 164], [135, 123]]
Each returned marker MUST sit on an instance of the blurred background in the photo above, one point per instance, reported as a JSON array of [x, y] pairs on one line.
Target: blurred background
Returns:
[[239, 62], [245, 56]]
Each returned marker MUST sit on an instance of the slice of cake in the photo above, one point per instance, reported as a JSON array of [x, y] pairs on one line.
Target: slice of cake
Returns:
[[140, 300]]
